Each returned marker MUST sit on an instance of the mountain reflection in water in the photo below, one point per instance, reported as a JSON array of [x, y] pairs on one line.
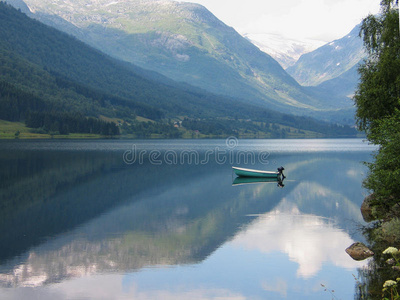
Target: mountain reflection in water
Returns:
[[71, 216]]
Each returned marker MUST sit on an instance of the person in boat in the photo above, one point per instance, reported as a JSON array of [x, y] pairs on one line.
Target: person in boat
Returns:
[[280, 171]]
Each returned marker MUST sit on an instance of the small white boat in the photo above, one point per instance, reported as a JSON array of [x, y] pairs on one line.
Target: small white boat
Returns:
[[242, 172]]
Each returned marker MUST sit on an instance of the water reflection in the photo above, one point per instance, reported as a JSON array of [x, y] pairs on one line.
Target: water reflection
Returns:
[[80, 220], [255, 180], [308, 240]]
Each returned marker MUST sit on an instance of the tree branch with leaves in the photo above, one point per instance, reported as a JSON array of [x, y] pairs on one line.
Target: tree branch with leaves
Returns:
[[377, 101]]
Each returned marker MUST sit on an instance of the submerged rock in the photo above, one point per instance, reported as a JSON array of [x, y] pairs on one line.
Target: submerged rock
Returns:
[[358, 251]]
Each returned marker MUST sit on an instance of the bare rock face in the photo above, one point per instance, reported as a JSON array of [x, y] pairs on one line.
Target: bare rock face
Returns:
[[358, 251], [366, 209]]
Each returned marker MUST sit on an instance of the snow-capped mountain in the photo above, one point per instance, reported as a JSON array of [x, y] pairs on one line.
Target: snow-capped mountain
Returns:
[[283, 49]]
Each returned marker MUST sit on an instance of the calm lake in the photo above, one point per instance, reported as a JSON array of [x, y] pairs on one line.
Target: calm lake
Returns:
[[166, 219]]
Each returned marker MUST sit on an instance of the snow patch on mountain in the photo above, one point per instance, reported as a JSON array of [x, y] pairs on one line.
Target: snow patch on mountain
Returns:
[[284, 50]]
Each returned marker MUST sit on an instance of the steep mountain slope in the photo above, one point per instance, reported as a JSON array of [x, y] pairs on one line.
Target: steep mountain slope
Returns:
[[339, 91], [329, 61], [183, 41], [341, 87], [330, 72], [45, 60]]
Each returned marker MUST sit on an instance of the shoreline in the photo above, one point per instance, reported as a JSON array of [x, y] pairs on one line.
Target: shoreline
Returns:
[[18, 130]]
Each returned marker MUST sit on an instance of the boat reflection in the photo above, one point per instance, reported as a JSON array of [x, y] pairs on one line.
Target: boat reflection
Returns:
[[254, 180]]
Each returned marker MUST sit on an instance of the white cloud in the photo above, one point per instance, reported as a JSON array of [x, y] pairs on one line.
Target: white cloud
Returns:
[[313, 19]]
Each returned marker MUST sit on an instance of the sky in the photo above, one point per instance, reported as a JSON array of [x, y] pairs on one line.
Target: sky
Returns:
[[322, 20]]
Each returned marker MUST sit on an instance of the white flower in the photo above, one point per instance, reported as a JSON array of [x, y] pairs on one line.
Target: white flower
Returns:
[[389, 283], [391, 250]]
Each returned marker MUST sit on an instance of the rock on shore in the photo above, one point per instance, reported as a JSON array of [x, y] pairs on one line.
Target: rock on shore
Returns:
[[358, 251]]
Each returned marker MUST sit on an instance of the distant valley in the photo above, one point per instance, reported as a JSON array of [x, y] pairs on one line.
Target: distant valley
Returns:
[[73, 81], [284, 50], [330, 72], [186, 43], [329, 61]]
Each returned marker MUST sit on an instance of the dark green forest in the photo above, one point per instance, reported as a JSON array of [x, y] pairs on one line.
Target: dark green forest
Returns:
[[65, 123], [45, 71]]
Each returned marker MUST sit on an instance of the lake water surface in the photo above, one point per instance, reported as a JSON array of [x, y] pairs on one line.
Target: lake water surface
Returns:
[[167, 219]]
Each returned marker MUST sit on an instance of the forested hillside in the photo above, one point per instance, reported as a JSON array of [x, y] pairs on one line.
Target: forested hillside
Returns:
[[45, 71]]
